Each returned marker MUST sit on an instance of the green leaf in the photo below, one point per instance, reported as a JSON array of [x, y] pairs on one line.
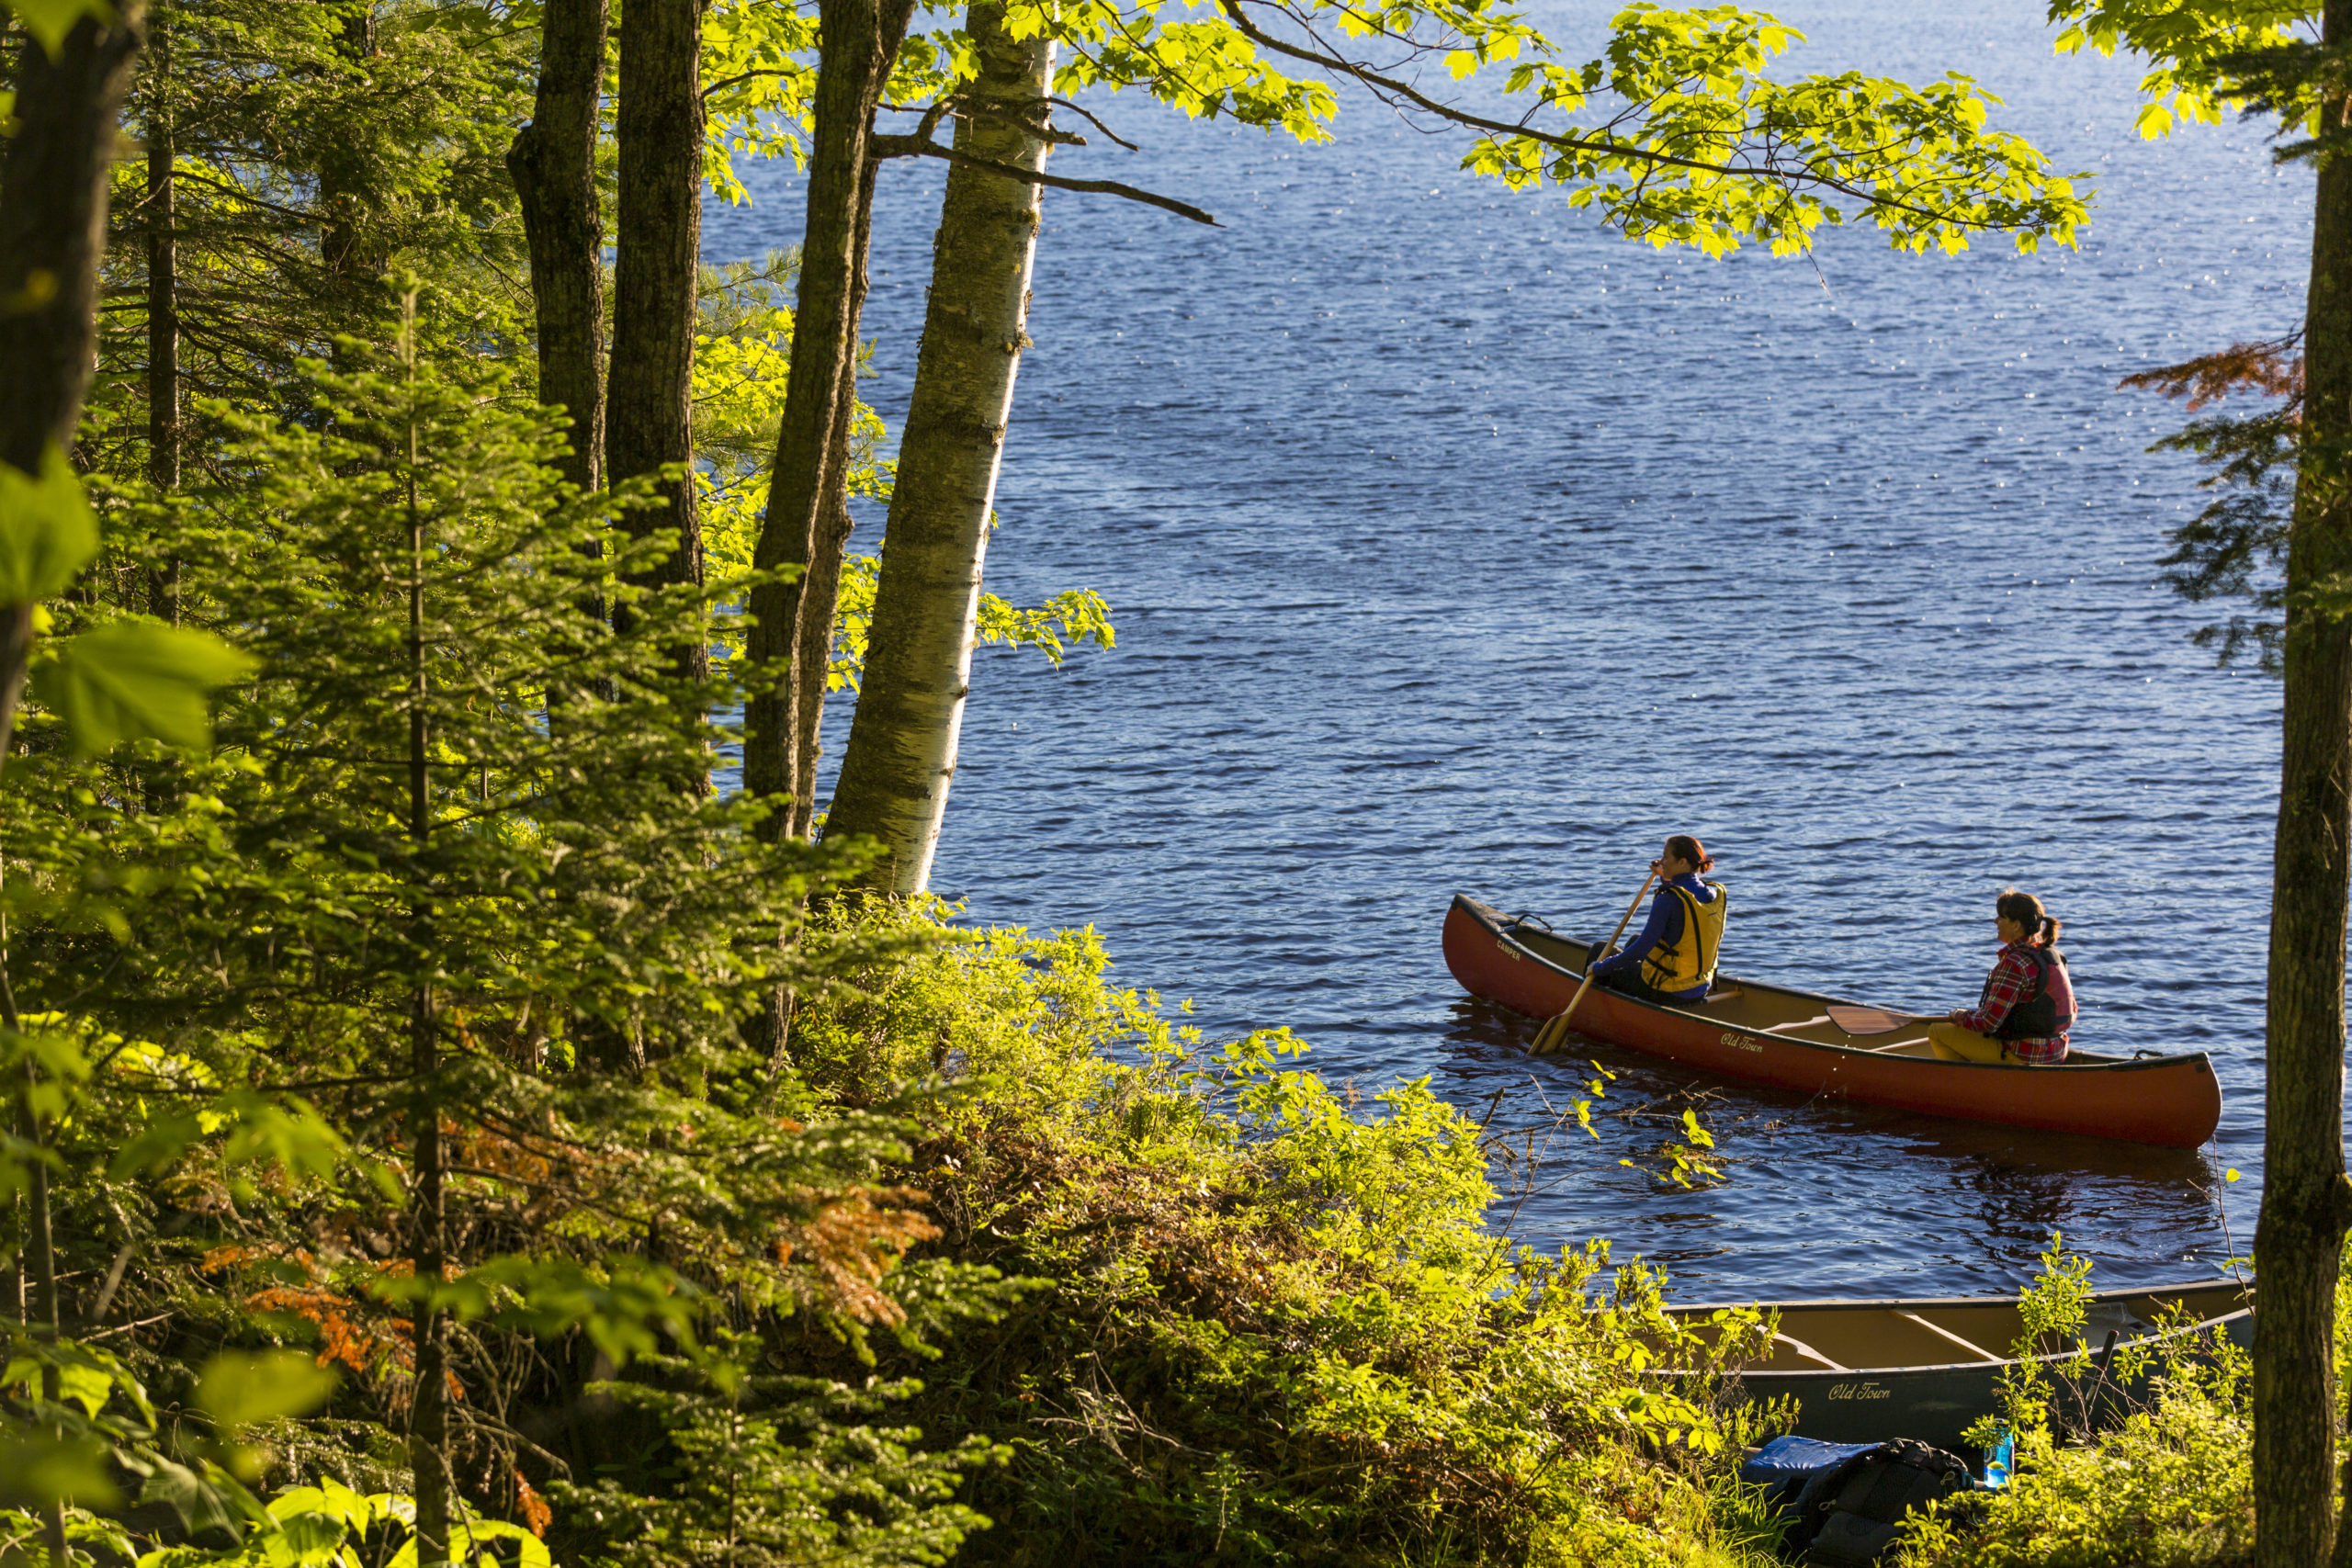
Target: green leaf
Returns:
[[156, 1146], [47, 530], [471, 1534], [51, 20], [237, 1390], [36, 1470], [137, 679], [201, 1503]]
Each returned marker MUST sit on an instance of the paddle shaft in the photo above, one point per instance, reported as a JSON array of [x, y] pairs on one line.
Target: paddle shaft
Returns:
[[1559, 1025]]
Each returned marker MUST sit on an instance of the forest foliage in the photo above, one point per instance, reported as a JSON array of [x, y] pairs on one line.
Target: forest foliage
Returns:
[[445, 1124]]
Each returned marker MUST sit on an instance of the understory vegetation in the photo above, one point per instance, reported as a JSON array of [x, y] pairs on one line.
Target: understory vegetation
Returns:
[[2144, 1463]]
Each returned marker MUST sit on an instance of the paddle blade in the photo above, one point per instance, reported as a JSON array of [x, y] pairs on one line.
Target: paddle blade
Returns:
[[1871, 1020]]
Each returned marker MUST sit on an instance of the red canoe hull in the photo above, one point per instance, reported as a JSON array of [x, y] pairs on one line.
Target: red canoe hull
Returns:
[[2170, 1100]]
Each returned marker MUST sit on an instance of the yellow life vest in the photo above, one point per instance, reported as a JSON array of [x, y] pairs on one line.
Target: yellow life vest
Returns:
[[1689, 960]]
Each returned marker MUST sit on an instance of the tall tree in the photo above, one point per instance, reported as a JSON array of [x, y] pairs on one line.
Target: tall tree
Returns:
[[53, 188], [2306, 1200], [857, 42], [901, 753], [649, 416], [553, 161], [158, 211], [2203, 58]]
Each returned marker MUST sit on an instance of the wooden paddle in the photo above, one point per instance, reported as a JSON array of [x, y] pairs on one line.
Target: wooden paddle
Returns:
[[1548, 1038], [1871, 1021]]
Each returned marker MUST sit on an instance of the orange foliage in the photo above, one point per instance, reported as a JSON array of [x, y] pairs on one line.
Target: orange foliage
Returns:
[[532, 1506], [352, 1334], [2273, 368], [854, 1241], [364, 1346]]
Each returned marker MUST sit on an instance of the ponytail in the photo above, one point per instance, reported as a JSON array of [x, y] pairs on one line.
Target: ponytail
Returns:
[[2041, 927]]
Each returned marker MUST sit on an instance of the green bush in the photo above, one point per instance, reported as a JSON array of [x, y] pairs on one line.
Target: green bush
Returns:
[[2167, 1486], [1268, 1319]]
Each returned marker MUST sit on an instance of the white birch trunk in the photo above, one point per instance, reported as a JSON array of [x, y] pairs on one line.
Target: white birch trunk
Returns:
[[901, 751]]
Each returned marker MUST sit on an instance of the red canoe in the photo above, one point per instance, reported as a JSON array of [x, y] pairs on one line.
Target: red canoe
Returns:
[[1771, 1035]]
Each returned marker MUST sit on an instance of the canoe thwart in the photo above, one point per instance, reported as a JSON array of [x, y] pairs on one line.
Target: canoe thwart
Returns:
[[1940, 1332]]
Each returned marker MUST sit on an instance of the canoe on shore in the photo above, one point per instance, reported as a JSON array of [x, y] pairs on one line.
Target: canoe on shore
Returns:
[[1770, 1034], [1867, 1370]]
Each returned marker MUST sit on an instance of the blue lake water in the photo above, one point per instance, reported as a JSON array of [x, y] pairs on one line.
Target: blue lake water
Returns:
[[1457, 545]]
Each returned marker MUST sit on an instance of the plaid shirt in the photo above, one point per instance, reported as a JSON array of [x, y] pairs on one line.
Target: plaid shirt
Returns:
[[2011, 982]]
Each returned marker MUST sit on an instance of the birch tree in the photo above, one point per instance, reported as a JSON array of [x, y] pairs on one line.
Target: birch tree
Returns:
[[901, 751]]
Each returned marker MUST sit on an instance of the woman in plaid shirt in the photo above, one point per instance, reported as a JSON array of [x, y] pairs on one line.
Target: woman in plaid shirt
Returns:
[[2028, 1001]]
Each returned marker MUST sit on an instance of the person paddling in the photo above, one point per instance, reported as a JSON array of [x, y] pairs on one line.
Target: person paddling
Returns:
[[1674, 958], [2027, 1005]]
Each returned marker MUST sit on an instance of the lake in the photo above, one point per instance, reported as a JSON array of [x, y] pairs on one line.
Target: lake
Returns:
[[1455, 543]]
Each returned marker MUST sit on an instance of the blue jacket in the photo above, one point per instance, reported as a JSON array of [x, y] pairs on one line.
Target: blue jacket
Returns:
[[1664, 924]]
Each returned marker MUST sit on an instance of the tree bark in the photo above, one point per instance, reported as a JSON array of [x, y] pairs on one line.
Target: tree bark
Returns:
[[2306, 1202], [161, 212], [648, 414], [820, 588], [553, 163], [428, 1434], [901, 753], [857, 41], [52, 230]]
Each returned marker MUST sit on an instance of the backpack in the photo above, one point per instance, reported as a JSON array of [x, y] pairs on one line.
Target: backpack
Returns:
[[1861, 1504]]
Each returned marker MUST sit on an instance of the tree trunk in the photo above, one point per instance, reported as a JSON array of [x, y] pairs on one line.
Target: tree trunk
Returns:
[[2306, 1202], [901, 754], [857, 41], [428, 1431], [347, 244], [553, 163], [52, 231], [821, 589], [648, 419], [162, 311]]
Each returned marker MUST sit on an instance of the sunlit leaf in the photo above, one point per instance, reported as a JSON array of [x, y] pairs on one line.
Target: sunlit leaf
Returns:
[[36, 1470], [137, 679], [47, 531], [51, 20], [236, 1389]]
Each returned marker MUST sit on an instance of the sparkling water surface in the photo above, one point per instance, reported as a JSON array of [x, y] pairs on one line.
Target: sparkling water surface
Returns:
[[1456, 544]]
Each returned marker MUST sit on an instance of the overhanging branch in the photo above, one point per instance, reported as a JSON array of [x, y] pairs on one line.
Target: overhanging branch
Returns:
[[1381, 83], [925, 147]]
